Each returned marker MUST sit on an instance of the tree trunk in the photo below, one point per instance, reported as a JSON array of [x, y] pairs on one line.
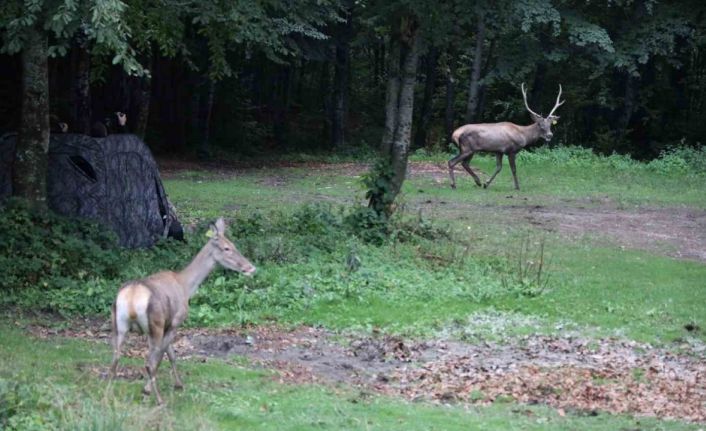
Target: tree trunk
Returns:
[[399, 126], [486, 69], [629, 102], [29, 175], [340, 85], [280, 106], [392, 97], [143, 97], [81, 88], [326, 102], [403, 131], [204, 150], [450, 99], [420, 137], [472, 106]]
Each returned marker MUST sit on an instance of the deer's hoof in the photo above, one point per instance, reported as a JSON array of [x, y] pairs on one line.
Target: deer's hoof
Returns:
[[485, 186], [179, 386], [453, 186]]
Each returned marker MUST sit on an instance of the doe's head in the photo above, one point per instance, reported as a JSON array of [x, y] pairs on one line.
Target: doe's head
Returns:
[[225, 252], [544, 123]]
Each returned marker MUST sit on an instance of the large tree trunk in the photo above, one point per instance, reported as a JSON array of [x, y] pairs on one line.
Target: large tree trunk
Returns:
[[340, 84], [403, 131], [472, 106], [400, 126], [30, 168], [420, 137]]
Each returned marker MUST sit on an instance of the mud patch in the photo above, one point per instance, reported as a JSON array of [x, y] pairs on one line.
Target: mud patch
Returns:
[[569, 372]]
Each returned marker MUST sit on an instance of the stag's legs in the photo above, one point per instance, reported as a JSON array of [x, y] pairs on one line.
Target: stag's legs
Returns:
[[453, 162], [466, 165], [511, 159], [498, 168]]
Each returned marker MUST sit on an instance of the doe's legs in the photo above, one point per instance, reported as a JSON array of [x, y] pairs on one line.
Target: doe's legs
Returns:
[[119, 332], [154, 357]]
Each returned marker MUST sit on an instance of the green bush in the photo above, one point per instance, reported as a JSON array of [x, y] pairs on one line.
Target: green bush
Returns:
[[317, 253], [39, 247]]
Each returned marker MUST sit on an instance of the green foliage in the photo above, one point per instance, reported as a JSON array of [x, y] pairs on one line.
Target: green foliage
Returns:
[[22, 406], [101, 21], [379, 186], [681, 160], [38, 247]]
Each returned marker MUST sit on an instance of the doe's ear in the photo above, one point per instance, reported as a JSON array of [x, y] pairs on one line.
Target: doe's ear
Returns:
[[220, 226]]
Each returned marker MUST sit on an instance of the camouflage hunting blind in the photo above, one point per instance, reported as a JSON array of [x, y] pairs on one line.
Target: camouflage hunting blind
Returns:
[[112, 180]]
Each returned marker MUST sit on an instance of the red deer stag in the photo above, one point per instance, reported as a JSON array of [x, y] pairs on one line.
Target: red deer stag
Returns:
[[500, 138], [159, 304]]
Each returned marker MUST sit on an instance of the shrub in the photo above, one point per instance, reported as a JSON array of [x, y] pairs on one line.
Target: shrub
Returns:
[[38, 247]]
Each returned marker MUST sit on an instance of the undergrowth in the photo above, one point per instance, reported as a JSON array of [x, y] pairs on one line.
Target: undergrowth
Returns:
[[314, 255], [682, 160]]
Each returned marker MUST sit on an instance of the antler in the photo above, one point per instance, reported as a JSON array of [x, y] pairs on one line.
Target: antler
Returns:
[[557, 104], [524, 96]]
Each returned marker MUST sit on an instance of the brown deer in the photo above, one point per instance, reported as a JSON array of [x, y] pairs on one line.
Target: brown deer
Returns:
[[500, 138], [159, 304]]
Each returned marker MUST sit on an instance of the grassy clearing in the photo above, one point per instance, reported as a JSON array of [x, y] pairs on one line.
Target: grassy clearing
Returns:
[[221, 395], [449, 271], [606, 289]]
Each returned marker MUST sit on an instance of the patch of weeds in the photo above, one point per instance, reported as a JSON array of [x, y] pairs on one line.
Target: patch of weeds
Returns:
[[638, 374], [500, 326], [39, 246], [476, 395], [527, 268]]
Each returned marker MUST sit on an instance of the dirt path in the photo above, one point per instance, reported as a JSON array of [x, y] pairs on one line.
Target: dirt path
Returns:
[[568, 373]]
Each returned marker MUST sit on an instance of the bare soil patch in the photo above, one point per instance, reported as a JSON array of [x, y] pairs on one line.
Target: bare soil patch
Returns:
[[568, 373], [676, 232]]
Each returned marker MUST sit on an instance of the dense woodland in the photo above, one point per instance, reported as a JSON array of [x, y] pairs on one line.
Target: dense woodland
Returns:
[[257, 78]]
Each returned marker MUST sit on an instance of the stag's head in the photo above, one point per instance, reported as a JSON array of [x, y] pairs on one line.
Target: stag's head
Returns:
[[544, 123], [225, 252]]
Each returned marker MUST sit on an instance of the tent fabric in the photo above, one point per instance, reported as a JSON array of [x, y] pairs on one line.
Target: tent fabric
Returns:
[[113, 180]]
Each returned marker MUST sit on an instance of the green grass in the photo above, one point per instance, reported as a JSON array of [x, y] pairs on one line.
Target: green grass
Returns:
[[604, 288], [449, 271], [57, 391]]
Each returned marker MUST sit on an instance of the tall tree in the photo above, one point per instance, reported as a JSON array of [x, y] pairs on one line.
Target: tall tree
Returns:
[[26, 29], [399, 105], [341, 78]]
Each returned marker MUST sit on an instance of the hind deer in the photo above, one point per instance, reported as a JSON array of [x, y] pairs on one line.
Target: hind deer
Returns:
[[159, 304], [500, 138]]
